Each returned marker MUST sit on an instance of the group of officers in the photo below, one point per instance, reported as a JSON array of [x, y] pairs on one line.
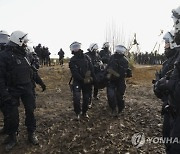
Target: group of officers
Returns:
[[95, 70], [90, 71], [152, 58], [19, 66], [44, 55], [167, 87]]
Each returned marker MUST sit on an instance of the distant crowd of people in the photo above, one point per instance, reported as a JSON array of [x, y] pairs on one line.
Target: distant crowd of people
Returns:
[[152, 58], [43, 54]]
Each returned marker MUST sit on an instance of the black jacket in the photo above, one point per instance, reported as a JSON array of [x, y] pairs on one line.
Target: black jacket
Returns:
[[105, 55], [119, 63], [79, 64], [96, 60], [15, 69]]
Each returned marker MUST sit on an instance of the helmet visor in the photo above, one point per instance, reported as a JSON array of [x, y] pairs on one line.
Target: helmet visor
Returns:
[[4, 39], [75, 47]]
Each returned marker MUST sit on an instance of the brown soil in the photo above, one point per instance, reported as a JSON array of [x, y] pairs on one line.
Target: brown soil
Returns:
[[59, 132]]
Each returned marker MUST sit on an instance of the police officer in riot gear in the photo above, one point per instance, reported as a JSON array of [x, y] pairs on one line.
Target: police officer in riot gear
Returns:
[[97, 64], [168, 66], [170, 85], [105, 53], [4, 39], [16, 84], [117, 71], [83, 75]]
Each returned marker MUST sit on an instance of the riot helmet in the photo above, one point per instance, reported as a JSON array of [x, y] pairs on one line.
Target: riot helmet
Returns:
[[75, 46], [19, 38], [170, 44], [93, 47], [169, 40], [106, 45], [176, 19], [120, 49], [4, 37]]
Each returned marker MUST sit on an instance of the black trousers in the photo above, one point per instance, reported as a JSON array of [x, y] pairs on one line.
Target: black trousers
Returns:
[[26, 95], [175, 135], [85, 90], [166, 128], [11, 118], [115, 93]]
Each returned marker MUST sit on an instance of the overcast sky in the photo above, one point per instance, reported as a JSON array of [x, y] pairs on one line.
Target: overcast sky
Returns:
[[57, 23]]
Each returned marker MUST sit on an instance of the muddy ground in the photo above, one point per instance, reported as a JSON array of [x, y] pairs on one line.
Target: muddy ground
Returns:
[[59, 132]]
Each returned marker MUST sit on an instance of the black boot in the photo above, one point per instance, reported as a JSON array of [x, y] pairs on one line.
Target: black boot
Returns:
[[32, 138], [11, 141], [114, 113]]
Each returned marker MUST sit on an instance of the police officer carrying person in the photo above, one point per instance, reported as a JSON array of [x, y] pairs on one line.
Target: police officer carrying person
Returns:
[[117, 70], [16, 84], [97, 64], [167, 67], [4, 39], [105, 53], [83, 75], [169, 84]]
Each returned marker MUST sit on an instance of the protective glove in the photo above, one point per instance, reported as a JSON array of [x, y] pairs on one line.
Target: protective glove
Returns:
[[43, 86], [114, 73], [108, 76], [88, 80], [162, 84], [171, 110]]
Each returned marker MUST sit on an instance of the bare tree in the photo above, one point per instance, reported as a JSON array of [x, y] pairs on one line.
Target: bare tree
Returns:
[[116, 35]]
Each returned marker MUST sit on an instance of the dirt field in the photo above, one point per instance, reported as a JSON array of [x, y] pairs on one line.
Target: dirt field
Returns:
[[58, 132]]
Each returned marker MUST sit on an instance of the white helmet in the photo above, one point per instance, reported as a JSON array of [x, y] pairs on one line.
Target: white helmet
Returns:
[[176, 18], [4, 37], [93, 46], [19, 38], [120, 49], [105, 45], [3, 32], [169, 38], [75, 46]]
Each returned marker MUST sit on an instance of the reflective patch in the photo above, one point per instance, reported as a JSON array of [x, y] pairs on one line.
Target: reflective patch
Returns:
[[77, 87]]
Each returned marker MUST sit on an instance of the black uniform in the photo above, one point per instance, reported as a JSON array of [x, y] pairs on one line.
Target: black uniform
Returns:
[[105, 55], [79, 65], [16, 84], [170, 84], [96, 62], [117, 69], [36, 79], [3, 130], [167, 67], [61, 57]]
